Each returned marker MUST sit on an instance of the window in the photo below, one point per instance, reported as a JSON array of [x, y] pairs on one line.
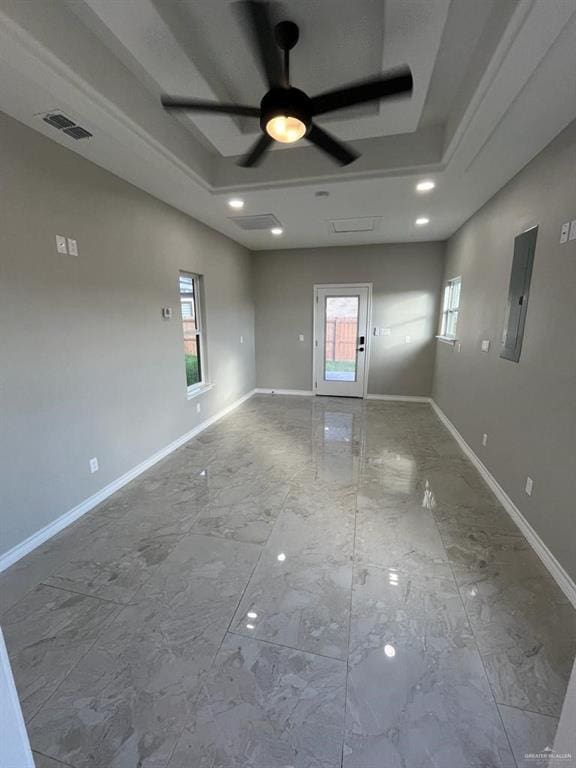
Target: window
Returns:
[[450, 308], [192, 329]]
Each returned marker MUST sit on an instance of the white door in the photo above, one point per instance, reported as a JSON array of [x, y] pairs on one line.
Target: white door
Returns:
[[341, 334]]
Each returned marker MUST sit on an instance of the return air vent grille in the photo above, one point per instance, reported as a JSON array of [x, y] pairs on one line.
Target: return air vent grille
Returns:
[[259, 222], [58, 121], [63, 123], [361, 224], [77, 132]]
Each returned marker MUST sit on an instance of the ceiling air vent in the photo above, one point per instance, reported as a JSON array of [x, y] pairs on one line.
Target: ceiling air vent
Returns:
[[77, 132], [58, 120], [259, 222], [62, 122], [362, 224]]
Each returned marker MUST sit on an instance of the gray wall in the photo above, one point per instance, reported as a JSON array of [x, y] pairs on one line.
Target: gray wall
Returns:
[[87, 365], [406, 285], [528, 409]]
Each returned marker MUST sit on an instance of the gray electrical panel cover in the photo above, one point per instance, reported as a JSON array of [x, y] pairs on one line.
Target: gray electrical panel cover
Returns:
[[518, 290]]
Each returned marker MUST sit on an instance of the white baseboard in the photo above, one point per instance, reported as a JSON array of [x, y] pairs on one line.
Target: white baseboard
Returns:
[[38, 538], [557, 572], [309, 393], [266, 391], [399, 398]]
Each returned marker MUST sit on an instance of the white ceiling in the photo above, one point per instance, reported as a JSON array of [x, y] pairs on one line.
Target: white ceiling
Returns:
[[494, 83]]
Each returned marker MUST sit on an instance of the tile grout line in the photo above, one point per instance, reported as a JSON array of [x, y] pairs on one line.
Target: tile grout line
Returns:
[[349, 627], [82, 594], [476, 645], [55, 759], [474, 635], [283, 645], [529, 711], [227, 630], [106, 625]]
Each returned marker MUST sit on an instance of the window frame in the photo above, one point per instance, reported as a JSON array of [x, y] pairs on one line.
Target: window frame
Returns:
[[200, 386], [450, 309]]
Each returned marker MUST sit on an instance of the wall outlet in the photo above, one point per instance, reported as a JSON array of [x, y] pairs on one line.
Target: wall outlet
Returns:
[[61, 244], [198, 407], [529, 486], [301, 337], [564, 232], [72, 247], [94, 465], [485, 345], [484, 439], [572, 235]]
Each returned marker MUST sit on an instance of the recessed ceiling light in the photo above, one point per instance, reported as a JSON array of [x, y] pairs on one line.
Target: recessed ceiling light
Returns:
[[425, 186], [276, 231], [235, 202], [421, 221]]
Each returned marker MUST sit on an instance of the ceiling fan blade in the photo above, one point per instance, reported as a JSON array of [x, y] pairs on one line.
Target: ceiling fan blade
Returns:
[[254, 155], [197, 105], [257, 19], [396, 83], [336, 149]]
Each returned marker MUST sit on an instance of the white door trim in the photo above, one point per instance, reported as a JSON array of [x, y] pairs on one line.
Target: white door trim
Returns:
[[315, 287]]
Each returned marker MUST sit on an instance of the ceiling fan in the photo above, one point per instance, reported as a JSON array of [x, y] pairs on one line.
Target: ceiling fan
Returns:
[[286, 113]]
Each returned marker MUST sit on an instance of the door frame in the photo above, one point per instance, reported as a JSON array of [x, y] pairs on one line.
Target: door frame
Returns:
[[368, 330]]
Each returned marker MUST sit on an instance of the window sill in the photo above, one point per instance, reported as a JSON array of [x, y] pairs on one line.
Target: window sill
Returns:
[[192, 393], [447, 340]]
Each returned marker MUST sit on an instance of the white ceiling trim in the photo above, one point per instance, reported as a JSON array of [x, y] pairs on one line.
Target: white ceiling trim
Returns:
[[531, 32], [19, 49], [165, 62]]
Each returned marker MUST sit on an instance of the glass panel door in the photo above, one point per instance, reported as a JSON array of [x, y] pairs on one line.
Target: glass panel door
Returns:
[[341, 337], [340, 342]]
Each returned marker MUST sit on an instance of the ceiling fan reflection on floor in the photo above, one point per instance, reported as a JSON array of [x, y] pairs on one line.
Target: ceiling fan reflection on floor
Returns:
[[286, 113]]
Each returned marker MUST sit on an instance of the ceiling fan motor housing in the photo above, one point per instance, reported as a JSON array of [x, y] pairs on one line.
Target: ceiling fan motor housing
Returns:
[[287, 102]]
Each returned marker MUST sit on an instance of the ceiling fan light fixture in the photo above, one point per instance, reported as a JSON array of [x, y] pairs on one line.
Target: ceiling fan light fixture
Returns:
[[285, 129]]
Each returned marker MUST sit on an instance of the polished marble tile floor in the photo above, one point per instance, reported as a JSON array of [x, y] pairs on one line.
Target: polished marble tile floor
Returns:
[[310, 583]]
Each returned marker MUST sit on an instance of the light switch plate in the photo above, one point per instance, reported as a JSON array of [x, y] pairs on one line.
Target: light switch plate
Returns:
[[72, 247], [564, 232], [529, 486], [61, 244], [572, 235], [484, 439], [485, 345], [408, 339], [301, 337], [241, 339], [167, 313], [94, 465]]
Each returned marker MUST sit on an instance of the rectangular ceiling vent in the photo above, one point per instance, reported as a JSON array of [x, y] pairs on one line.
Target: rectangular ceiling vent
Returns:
[[77, 132], [62, 122], [258, 222], [362, 224]]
